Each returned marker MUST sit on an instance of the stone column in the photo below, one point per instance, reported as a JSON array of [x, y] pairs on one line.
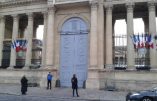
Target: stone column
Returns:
[[2, 31], [109, 34], [29, 37], [94, 36], [130, 31], [44, 39], [146, 24], [14, 37], [50, 38], [93, 78], [152, 30], [101, 35]]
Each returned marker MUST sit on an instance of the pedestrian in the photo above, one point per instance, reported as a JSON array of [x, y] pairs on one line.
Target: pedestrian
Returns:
[[74, 85], [24, 85], [49, 80]]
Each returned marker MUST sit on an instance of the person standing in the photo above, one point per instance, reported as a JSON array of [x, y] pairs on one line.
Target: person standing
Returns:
[[74, 85], [49, 80], [24, 85]]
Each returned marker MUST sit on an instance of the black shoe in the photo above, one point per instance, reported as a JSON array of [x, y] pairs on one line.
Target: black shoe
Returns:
[[78, 96]]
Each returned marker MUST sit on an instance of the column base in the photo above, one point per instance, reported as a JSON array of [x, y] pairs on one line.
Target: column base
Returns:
[[26, 68], [93, 81], [10, 67]]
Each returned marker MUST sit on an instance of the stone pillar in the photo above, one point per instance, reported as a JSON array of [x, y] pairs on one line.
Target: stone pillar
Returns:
[[130, 31], [93, 77], [44, 40], [93, 37], [109, 34], [152, 30], [29, 37], [2, 31], [50, 38], [101, 35], [14, 37], [146, 24]]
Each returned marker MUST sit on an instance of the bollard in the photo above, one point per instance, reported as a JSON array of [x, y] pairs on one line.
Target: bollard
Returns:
[[58, 83]]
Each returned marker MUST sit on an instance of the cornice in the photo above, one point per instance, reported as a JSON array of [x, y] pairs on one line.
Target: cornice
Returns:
[[16, 3], [115, 2]]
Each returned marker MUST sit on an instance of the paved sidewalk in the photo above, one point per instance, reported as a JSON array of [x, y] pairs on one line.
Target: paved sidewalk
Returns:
[[65, 93]]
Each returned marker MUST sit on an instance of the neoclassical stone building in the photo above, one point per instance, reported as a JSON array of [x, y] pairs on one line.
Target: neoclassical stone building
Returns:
[[77, 38]]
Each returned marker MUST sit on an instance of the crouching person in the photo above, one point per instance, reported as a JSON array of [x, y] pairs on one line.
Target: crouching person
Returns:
[[24, 85]]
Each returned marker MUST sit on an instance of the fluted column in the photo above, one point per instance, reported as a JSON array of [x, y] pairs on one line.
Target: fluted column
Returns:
[[146, 24], [130, 31], [44, 40], [29, 37], [14, 37], [152, 30], [50, 38], [2, 31], [109, 34], [94, 36], [101, 35]]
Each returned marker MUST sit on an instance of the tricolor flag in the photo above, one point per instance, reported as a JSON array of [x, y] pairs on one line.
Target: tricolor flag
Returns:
[[13, 44], [142, 41], [19, 45], [134, 40], [138, 41], [150, 41], [24, 45]]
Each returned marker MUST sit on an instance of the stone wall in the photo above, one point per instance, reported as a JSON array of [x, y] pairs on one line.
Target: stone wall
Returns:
[[35, 77], [128, 80]]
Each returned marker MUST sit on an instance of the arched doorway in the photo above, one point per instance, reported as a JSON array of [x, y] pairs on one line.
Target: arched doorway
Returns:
[[73, 51]]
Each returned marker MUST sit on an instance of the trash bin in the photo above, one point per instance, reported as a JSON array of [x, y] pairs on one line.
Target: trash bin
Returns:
[[58, 83], [84, 84]]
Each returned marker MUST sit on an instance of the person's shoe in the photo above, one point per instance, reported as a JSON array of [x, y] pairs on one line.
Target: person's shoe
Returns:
[[78, 96]]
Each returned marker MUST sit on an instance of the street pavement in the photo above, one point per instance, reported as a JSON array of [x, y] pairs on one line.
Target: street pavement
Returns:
[[12, 92]]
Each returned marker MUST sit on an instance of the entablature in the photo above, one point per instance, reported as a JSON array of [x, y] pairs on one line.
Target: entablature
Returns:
[[16, 3]]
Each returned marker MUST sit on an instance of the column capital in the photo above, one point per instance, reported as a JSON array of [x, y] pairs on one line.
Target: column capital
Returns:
[[109, 8], [130, 6], [151, 6], [2, 17], [30, 16], [15, 17], [93, 3], [45, 14], [51, 8], [108, 5]]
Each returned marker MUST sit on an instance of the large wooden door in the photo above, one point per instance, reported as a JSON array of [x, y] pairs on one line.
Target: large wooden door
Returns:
[[74, 52]]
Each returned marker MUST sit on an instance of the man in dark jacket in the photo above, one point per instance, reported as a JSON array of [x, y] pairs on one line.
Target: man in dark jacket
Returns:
[[74, 85], [24, 85]]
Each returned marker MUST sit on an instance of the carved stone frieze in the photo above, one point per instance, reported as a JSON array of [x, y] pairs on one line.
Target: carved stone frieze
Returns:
[[15, 3]]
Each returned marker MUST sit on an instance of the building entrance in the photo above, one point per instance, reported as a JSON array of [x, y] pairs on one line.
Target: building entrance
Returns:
[[73, 52]]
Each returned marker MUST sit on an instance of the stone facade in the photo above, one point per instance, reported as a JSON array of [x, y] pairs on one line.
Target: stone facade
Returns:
[[99, 15]]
